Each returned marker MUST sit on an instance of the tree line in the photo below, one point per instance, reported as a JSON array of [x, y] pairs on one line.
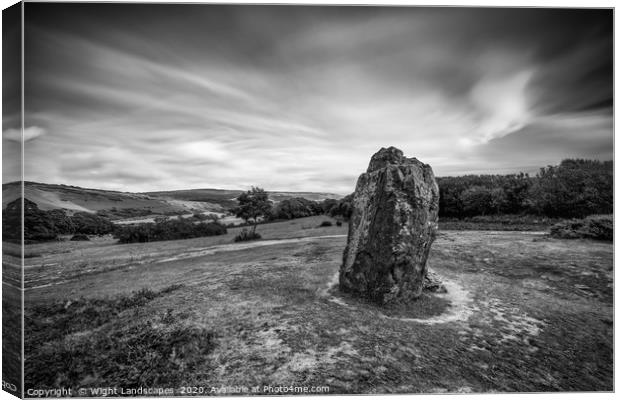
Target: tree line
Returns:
[[44, 225], [167, 229], [574, 189], [41, 225]]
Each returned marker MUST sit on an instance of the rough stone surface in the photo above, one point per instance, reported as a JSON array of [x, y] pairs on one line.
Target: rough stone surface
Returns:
[[432, 283], [391, 230]]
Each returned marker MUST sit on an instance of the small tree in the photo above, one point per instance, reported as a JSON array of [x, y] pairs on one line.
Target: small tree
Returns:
[[253, 204]]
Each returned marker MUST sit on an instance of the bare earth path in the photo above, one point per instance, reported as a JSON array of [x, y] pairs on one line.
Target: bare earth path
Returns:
[[523, 312]]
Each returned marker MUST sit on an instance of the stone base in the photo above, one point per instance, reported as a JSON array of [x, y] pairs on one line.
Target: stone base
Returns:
[[432, 283]]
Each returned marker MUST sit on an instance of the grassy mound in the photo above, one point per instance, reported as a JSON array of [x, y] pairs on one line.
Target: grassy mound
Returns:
[[599, 227]]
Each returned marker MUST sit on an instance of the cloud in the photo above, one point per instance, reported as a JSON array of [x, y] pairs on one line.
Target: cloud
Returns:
[[299, 98], [29, 133], [548, 140], [502, 104]]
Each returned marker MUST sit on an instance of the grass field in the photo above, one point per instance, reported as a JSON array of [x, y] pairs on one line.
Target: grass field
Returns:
[[523, 312]]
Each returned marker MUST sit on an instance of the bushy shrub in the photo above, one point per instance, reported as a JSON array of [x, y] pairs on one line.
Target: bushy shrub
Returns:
[[41, 225], [328, 204], [296, 207], [91, 224], [246, 235], [599, 227], [343, 208], [172, 229], [120, 213], [79, 237], [326, 223], [200, 217], [338, 223], [63, 224], [37, 225]]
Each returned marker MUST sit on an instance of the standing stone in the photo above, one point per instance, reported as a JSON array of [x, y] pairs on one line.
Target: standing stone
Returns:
[[391, 230]]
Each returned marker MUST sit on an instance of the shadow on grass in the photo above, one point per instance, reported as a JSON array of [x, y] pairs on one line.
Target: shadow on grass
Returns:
[[426, 306]]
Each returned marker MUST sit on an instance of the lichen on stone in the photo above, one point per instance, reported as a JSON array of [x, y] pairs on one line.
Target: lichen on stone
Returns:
[[392, 227]]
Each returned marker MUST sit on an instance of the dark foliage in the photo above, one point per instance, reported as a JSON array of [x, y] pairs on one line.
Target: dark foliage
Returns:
[[600, 227], [252, 205], [296, 207], [64, 224], [79, 237], [120, 213], [12, 222], [469, 195], [91, 224], [167, 229], [200, 217], [342, 208], [338, 223], [575, 188], [246, 235], [41, 225], [328, 204], [503, 222], [38, 226], [326, 223]]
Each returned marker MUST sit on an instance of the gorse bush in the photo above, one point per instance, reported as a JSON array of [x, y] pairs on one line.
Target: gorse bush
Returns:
[[599, 227], [246, 235], [171, 229]]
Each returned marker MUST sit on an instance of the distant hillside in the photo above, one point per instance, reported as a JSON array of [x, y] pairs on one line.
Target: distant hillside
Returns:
[[73, 198], [120, 205], [226, 198]]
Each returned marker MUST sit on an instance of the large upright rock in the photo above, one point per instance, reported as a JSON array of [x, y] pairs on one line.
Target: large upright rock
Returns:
[[391, 229]]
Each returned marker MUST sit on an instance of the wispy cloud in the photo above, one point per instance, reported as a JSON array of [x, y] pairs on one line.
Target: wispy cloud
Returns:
[[297, 98], [16, 135]]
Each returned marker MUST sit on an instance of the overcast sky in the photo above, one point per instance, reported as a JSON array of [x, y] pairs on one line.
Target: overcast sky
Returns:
[[159, 97]]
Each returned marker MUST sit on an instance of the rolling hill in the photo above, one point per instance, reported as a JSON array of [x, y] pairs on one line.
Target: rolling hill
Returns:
[[120, 205]]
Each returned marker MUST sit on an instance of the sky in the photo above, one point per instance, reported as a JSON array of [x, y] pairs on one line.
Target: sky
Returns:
[[140, 97]]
